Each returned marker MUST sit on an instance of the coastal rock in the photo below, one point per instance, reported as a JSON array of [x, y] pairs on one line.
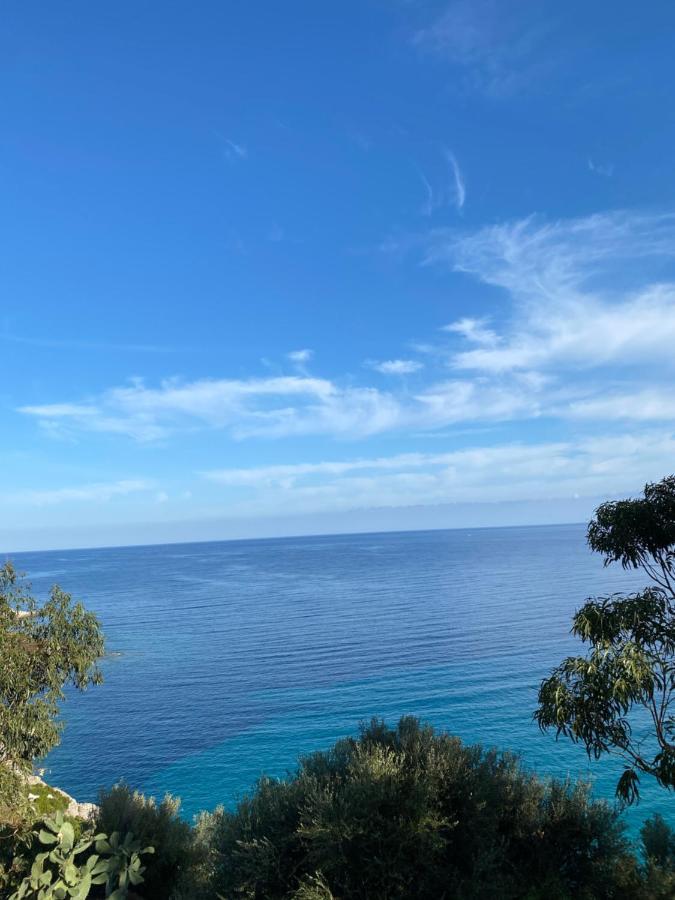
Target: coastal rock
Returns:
[[76, 810]]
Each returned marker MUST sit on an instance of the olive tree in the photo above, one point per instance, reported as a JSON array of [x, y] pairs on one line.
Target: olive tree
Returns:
[[618, 698], [43, 648]]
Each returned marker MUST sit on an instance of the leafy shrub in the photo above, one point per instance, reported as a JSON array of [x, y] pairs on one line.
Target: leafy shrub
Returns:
[[156, 824], [70, 868], [406, 812], [658, 841]]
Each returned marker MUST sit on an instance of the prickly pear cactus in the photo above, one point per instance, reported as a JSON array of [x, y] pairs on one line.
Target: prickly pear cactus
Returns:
[[61, 872]]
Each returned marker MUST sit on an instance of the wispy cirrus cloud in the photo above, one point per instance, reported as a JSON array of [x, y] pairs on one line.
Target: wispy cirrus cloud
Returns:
[[652, 404], [474, 330], [577, 291], [97, 492], [606, 170], [496, 48], [234, 151], [517, 471], [575, 296], [432, 201], [300, 359], [458, 185], [396, 366], [283, 407], [150, 413], [451, 192]]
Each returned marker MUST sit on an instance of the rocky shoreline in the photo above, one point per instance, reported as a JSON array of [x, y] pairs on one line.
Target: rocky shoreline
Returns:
[[74, 809]]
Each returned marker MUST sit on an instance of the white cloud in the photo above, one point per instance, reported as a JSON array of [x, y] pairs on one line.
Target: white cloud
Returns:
[[648, 405], [533, 258], [576, 300], [396, 366], [290, 405], [271, 407], [431, 201], [88, 493], [452, 402], [346, 412], [147, 413], [61, 410], [587, 333], [607, 465], [452, 194], [577, 291], [473, 330], [300, 356], [286, 474], [458, 186]]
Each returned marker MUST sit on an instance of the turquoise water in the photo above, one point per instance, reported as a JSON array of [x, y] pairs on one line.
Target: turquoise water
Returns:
[[227, 660]]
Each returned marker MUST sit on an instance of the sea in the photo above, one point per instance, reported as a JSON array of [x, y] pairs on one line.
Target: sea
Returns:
[[228, 660]]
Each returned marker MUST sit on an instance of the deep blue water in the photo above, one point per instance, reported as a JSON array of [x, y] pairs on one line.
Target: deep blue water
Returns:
[[229, 659]]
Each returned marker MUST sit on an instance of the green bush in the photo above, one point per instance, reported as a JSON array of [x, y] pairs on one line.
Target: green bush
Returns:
[[658, 844], [406, 812], [155, 824], [658, 841], [53, 863], [395, 813]]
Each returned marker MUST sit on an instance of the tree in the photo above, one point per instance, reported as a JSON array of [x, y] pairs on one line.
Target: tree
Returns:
[[618, 699], [409, 812], [42, 649], [658, 841]]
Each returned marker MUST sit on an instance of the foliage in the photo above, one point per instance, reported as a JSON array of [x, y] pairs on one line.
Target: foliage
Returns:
[[156, 824], [58, 873], [39, 802], [43, 648], [393, 813], [407, 812], [658, 840], [43, 800], [630, 666]]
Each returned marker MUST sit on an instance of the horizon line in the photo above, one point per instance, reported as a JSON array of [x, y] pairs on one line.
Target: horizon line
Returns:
[[7, 554]]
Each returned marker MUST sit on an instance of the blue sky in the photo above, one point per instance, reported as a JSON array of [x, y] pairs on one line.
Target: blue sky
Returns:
[[281, 268]]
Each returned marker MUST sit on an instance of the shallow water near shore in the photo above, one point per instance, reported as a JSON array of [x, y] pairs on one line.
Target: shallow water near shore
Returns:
[[227, 660]]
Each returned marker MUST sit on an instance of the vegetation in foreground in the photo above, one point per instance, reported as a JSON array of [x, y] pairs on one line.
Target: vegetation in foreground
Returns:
[[394, 813], [407, 812]]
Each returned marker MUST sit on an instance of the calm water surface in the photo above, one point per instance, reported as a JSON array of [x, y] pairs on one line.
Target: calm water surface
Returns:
[[229, 659]]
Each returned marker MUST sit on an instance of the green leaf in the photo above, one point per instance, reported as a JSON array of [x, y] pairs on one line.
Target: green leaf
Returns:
[[82, 890], [47, 837], [36, 869], [67, 836], [71, 874], [83, 845]]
